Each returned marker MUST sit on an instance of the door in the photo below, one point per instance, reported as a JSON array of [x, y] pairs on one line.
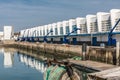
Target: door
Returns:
[[94, 41], [74, 41]]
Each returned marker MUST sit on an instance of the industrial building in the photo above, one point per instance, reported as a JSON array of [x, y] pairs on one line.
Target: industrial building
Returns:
[[93, 28], [8, 33]]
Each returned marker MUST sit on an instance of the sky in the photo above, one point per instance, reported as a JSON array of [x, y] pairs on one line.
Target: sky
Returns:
[[22, 14]]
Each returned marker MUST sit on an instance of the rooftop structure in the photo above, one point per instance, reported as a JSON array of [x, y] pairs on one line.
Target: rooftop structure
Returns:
[[92, 26], [81, 23], [103, 21], [115, 15]]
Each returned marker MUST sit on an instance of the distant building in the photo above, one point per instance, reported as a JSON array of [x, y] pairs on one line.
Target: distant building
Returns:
[[8, 33]]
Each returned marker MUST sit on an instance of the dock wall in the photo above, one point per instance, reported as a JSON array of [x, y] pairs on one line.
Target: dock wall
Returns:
[[95, 53]]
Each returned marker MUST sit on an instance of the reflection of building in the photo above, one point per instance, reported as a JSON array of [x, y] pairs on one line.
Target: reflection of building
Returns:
[[30, 61], [8, 59]]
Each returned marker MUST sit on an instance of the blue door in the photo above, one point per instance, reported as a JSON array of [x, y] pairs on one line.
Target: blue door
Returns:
[[74, 41], [94, 41], [51, 40], [61, 40]]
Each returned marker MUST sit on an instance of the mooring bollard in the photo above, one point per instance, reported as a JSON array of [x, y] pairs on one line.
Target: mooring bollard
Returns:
[[84, 49]]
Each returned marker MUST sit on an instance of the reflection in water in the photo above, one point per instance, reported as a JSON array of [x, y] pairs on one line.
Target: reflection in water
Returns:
[[19, 66], [8, 59], [32, 62]]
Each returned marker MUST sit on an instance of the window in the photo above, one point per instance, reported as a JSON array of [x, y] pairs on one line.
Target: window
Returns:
[[67, 29], [43, 32], [106, 25], [56, 31], [37, 32], [40, 32], [47, 30], [61, 30], [93, 27], [51, 32], [83, 28]]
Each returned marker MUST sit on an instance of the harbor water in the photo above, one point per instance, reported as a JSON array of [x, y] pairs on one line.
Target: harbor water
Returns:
[[15, 65]]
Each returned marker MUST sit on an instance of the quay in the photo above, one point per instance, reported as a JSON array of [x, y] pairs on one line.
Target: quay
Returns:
[[95, 53], [93, 65], [110, 74]]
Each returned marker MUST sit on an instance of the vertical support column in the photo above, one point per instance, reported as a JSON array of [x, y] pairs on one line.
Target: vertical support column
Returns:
[[91, 38], [117, 52], [84, 49]]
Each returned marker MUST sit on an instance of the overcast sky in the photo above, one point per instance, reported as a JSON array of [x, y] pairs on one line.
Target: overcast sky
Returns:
[[22, 14]]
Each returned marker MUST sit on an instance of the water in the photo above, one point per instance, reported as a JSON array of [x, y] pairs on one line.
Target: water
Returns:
[[17, 66], [24, 65]]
